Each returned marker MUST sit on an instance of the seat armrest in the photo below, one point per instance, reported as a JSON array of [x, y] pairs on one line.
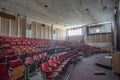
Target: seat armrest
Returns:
[[10, 69]]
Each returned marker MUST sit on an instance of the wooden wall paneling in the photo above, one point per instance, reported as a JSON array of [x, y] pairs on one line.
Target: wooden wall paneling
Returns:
[[102, 38], [6, 15], [10, 28], [5, 26], [106, 38], [91, 38], [14, 27], [56, 33], [116, 62], [42, 32], [38, 30], [22, 27], [46, 32], [33, 25], [50, 32], [110, 38], [0, 27], [99, 38]]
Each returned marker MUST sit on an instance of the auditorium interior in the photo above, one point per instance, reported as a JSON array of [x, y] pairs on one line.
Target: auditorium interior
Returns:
[[59, 39]]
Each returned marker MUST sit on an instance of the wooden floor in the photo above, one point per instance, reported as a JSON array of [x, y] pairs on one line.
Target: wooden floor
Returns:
[[84, 70]]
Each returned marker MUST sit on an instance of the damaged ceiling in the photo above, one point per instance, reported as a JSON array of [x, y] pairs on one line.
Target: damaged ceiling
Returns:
[[63, 13]]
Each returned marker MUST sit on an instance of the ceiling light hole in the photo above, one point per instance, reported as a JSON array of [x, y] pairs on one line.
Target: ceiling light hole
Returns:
[[46, 6], [105, 7], [43, 25], [18, 14], [87, 9], [3, 9]]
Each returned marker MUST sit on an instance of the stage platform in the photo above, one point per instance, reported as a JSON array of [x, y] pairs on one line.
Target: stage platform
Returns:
[[105, 60]]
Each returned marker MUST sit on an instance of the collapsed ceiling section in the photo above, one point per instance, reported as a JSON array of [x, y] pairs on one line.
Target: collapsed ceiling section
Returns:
[[64, 13]]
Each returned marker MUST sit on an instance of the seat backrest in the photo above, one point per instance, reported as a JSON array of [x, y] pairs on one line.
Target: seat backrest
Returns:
[[45, 67], [55, 59], [3, 70], [15, 63], [51, 63], [45, 54], [5, 45], [11, 57], [9, 51], [41, 56], [35, 57], [28, 60]]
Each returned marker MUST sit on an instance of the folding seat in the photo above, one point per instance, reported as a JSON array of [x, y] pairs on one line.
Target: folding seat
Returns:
[[33, 50], [47, 72], [5, 45], [46, 56], [17, 69], [54, 66], [9, 51], [10, 57], [60, 58], [58, 63], [36, 60], [24, 42], [28, 42], [30, 66], [41, 57], [3, 72], [19, 43], [38, 49], [13, 43], [19, 51], [66, 58]]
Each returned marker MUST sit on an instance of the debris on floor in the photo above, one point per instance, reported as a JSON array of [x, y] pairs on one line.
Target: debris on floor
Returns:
[[99, 73]]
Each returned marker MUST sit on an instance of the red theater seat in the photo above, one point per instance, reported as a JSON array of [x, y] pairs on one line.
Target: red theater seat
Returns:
[[48, 73], [15, 63], [29, 60], [17, 69], [30, 66], [36, 58], [54, 66], [11, 57], [45, 54], [3, 72]]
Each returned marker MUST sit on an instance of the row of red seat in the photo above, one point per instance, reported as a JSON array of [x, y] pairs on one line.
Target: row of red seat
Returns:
[[12, 48], [17, 67], [21, 46], [55, 65]]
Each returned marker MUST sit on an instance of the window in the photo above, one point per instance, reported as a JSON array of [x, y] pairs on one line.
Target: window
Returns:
[[75, 31], [98, 29]]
